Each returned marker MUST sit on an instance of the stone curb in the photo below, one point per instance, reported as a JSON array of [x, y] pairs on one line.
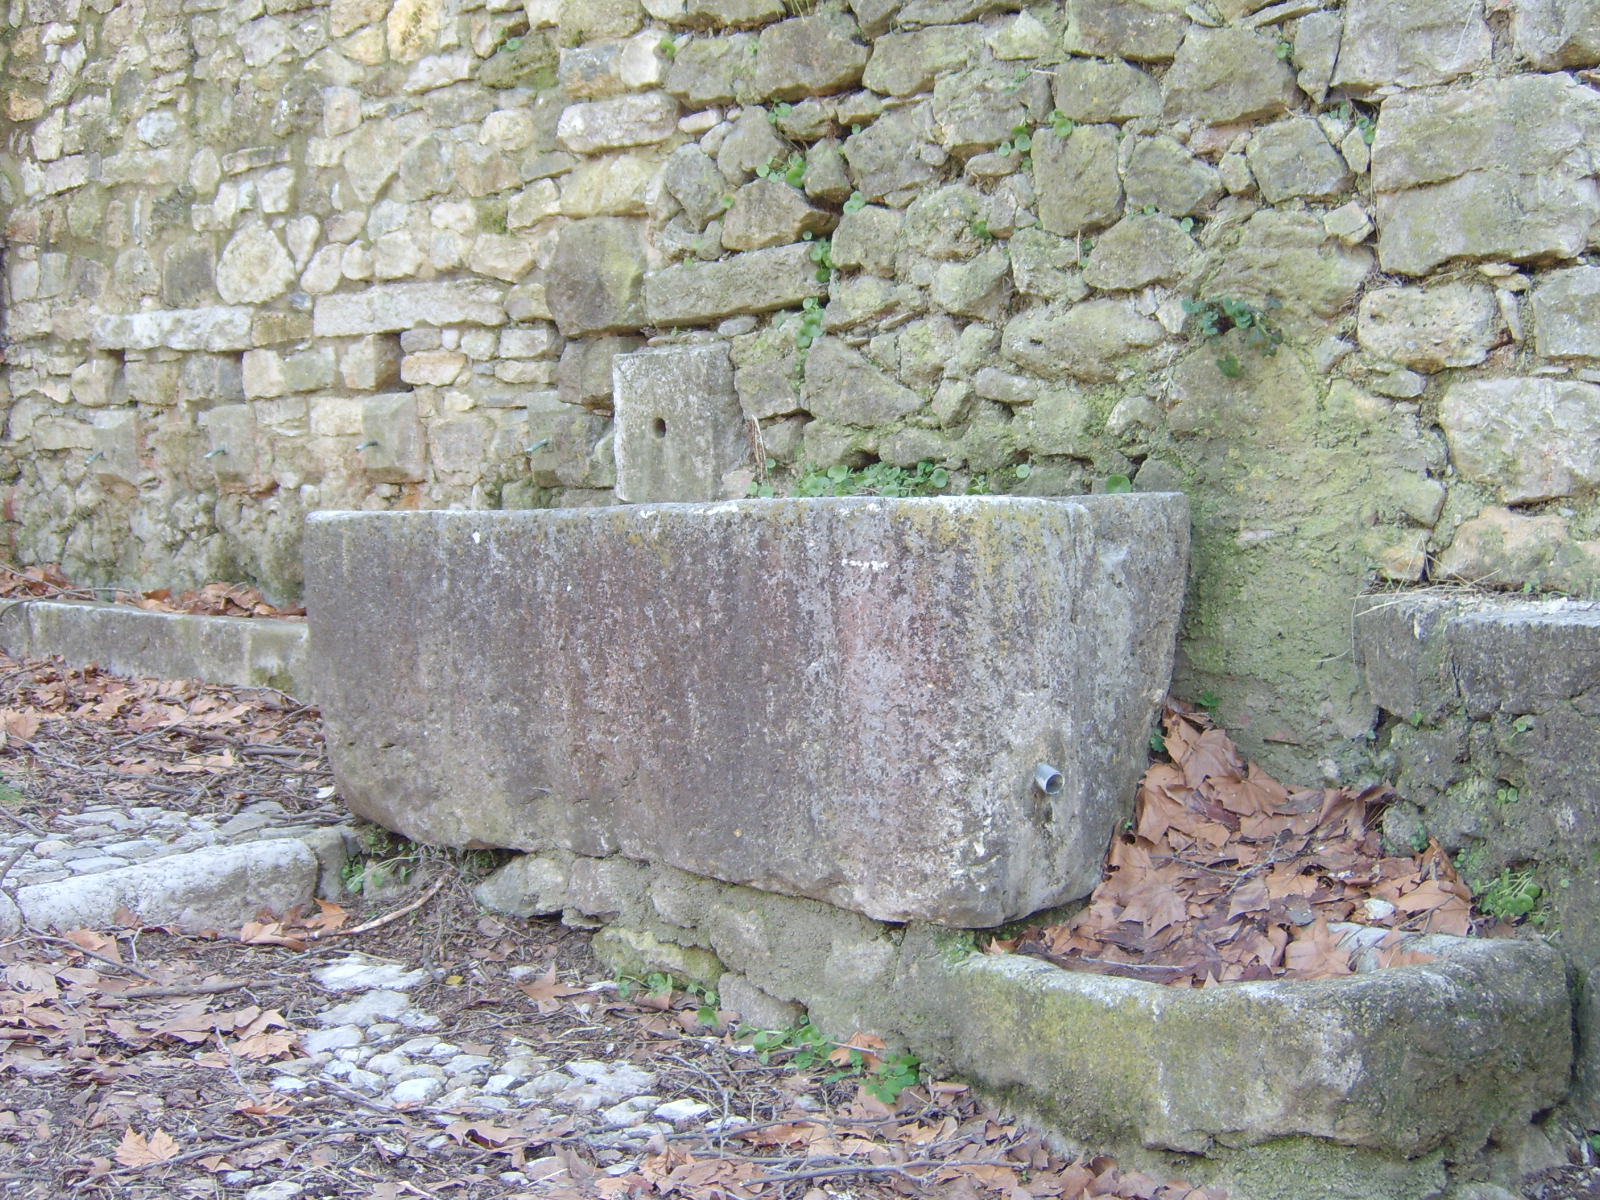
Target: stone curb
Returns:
[[232, 651], [217, 887]]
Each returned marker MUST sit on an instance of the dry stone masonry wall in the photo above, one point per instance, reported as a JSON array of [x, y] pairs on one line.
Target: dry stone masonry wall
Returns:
[[272, 256]]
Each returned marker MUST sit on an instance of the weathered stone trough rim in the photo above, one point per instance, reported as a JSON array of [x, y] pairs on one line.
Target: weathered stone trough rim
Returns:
[[1294, 1009]]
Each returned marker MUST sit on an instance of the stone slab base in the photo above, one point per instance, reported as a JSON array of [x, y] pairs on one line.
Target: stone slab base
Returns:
[[1371, 1087], [219, 887], [234, 651]]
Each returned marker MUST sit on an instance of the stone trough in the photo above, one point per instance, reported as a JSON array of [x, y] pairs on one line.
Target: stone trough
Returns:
[[927, 709], [799, 749]]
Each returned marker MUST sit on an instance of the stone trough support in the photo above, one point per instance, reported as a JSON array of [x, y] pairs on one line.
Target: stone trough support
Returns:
[[1376, 1086]]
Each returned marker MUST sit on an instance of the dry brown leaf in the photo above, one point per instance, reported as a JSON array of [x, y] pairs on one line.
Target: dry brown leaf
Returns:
[[136, 1150], [547, 993]]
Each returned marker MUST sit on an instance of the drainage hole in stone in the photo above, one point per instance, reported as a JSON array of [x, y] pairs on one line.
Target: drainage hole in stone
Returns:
[[659, 427]]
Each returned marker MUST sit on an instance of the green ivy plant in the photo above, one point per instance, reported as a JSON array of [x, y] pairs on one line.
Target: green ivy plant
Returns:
[[806, 1048], [1512, 897], [1210, 319], [876, 479], [822, 255], [792, 171]]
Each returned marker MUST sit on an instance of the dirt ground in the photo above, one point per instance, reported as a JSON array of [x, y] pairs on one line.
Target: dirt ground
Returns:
[[139, 1062]]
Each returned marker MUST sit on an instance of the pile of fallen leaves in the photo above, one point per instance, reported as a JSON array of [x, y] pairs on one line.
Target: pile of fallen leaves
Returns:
[[83, 735], [211, 600], [1229, 875]]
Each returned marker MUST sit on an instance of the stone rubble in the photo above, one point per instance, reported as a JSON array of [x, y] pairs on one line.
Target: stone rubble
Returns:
[[369, 1038], [169, 867]]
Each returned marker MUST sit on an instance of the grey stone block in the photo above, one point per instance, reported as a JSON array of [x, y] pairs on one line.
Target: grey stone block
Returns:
[[843, 699], [679, 425], [595, 277], [257, 652], [389, 307], [756, 1008], [219, 887], [1491, 170], [530, 885], [752, 282]]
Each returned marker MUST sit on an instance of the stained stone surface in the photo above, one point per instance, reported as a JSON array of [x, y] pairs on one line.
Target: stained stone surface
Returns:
[[679, 425], [844, 699]]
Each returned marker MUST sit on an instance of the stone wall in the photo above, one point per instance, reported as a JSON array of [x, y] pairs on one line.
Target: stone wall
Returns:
[[275, 256]]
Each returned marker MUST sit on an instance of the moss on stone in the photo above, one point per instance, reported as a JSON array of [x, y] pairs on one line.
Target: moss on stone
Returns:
[[636, 954]]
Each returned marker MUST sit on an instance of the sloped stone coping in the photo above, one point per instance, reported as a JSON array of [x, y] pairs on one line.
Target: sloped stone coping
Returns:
[[233, 651], [1370, 1087], [848, 698]]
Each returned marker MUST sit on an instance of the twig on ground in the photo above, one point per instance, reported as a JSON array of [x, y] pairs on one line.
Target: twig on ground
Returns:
[[179, 989], [110, 962], [903, 1170], [379, 922], [11, 861]]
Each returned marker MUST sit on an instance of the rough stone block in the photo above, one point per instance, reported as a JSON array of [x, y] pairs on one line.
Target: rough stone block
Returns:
[[594, 281], [808, 56], [756, 281], [1552, 34], [214, 329], [844, 387], [1494, 170], [888, 159], [584, 376], [1293, 158], [219, 887], [389, 308], [1144, 30], [1079, 187], [845, 699], [679, 425], [1429, 329], [1502, 548], [1223, 75], [1094, 92], [635, 120], [1530, 438], [1564, 306], [530, 885], [904, 64], [1412, 43], [460, 445], [116, 444], [234, 451], [391, 439]]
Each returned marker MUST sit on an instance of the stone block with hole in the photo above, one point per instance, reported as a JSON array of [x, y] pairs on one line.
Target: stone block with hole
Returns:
[[680, 429]]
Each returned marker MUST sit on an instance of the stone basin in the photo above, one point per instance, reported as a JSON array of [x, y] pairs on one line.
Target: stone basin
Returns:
[[846, 699], [1382, 1085]]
